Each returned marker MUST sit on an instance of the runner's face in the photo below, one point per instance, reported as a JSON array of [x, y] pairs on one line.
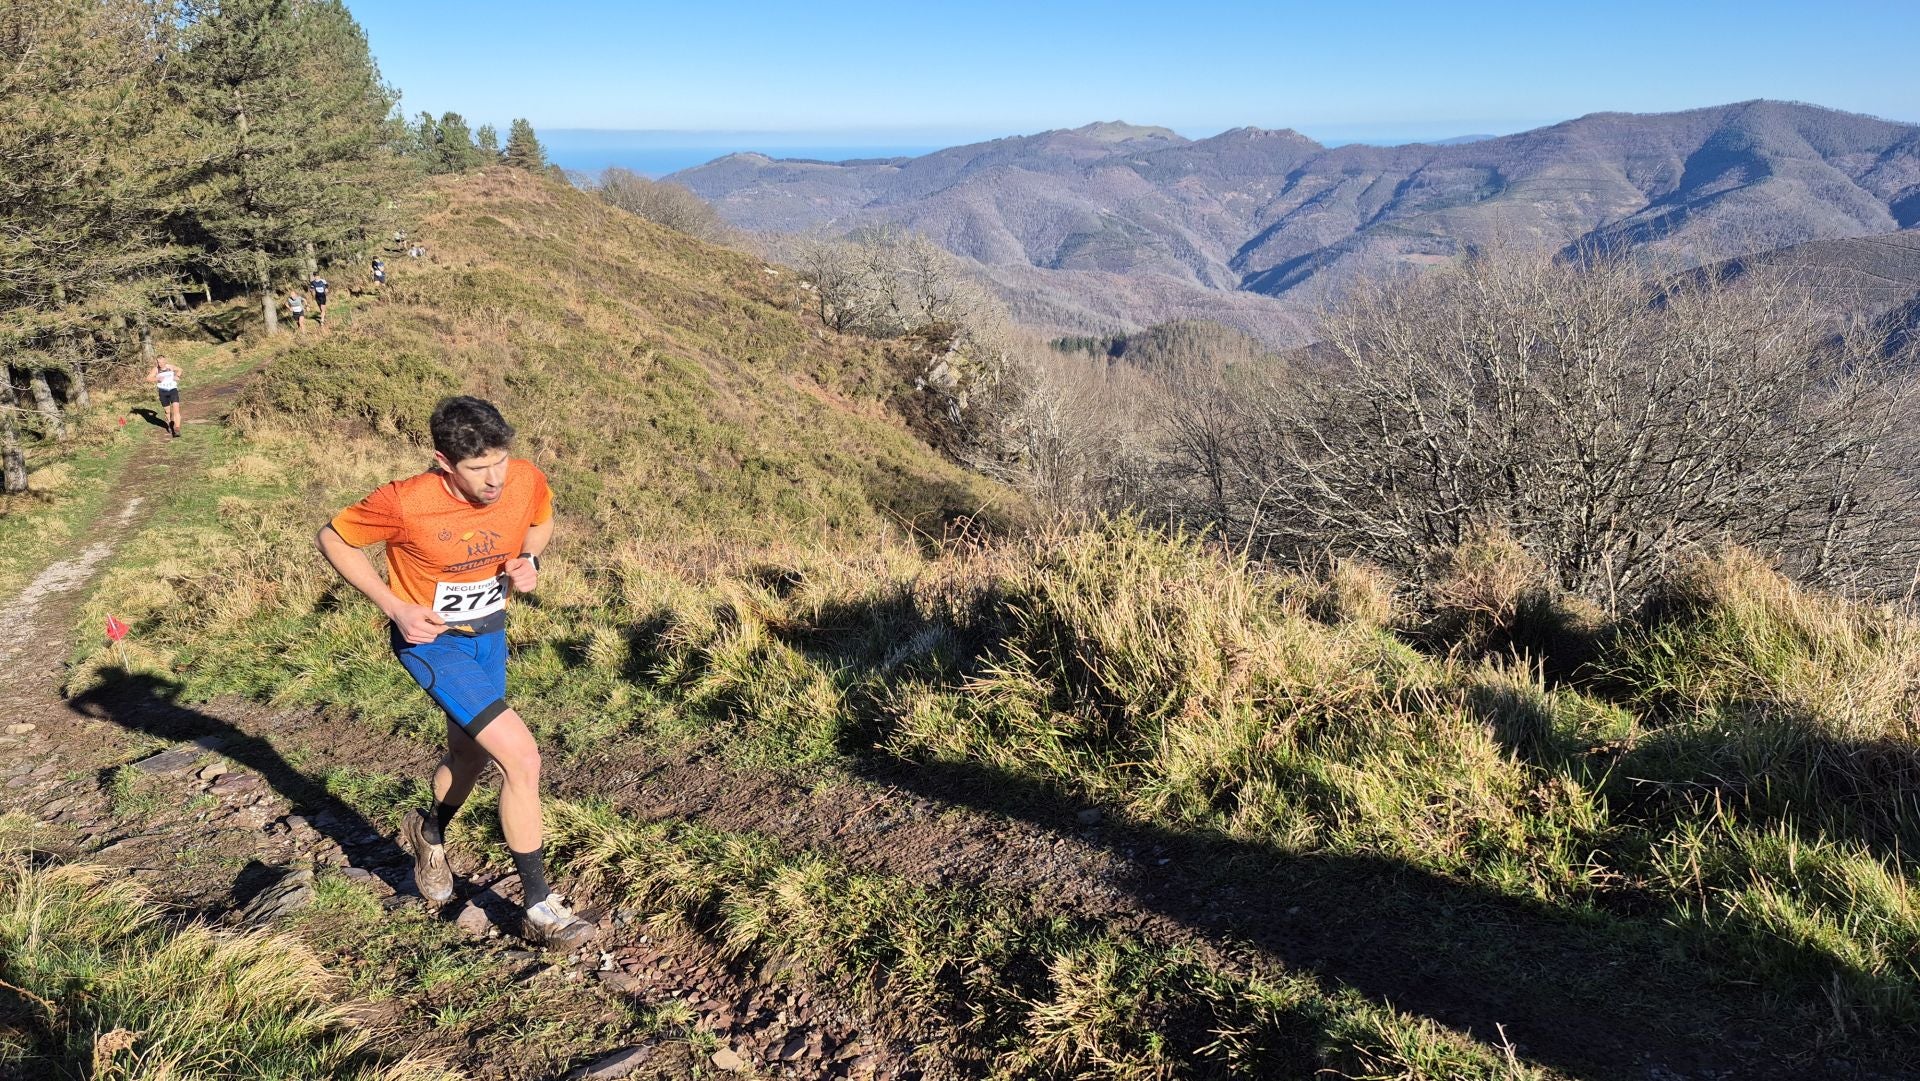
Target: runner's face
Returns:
[[477, 479]]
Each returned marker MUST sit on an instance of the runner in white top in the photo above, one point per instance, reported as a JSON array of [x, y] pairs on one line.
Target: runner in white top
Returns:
[[165, 376], [297, 307]]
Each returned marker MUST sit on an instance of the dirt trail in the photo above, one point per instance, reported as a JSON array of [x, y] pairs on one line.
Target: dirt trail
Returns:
[[1418, 941], [243, 799]]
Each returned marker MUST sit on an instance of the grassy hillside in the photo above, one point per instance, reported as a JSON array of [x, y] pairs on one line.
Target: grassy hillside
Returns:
[[659, 379], [1339, 847]]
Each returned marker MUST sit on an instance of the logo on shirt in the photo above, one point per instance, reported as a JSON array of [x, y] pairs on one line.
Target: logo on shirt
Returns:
[[480, 542]]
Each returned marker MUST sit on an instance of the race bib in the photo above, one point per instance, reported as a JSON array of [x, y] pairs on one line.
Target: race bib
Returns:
[[470, 600]]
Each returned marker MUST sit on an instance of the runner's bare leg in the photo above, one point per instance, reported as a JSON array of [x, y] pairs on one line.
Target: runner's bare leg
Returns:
[[453, 781], [507, 741]]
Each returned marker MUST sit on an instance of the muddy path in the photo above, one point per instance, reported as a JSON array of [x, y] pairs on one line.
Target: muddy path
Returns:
[[245, 797]]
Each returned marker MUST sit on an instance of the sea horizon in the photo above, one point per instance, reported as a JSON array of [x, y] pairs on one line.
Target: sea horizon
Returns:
[[659, 161]]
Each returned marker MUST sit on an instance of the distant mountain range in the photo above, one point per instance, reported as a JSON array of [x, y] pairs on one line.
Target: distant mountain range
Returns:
[[1114, 225]]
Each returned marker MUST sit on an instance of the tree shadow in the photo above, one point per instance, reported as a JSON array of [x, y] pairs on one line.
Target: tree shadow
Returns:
[[146, 703], [1586, 995], [228, 324]]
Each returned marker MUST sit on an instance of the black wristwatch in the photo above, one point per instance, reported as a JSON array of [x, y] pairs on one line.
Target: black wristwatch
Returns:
[[531, 558]]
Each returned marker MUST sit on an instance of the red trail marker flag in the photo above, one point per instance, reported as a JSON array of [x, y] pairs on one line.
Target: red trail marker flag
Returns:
[[117, 630]]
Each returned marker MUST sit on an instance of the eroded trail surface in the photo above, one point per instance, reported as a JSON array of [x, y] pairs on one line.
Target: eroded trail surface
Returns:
[[220, 807], [212, 804]]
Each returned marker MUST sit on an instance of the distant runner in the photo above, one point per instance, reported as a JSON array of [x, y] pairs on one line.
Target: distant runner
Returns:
[[297, 308], [165, 375], [461, 538], [319, 287], [379, 274]]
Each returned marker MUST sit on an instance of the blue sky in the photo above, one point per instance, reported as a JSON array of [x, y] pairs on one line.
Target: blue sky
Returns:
[[870, 73]]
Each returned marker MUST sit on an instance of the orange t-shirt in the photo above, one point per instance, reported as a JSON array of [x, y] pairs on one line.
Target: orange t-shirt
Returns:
[[438, 543]]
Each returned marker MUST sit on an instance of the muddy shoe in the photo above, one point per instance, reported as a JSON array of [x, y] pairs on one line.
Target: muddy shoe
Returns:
[[551, 923], [431, 874]]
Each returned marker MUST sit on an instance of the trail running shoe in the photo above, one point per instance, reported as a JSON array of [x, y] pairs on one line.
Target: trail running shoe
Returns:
[[551, 923], [431, 874]]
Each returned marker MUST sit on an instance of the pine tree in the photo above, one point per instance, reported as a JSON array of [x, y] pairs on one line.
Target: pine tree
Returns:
[[423, 140], [489, 141], [523, 148], [295, 143], [81, 249], [457, 154]]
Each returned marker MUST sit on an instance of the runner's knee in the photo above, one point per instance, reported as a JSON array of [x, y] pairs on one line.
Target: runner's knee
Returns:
[[521, 765], [519, 758]]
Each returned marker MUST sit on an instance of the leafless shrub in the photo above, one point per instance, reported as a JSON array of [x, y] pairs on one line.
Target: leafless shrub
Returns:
[[884, 283], [1611, 421], [671, 205], [1072, 437]]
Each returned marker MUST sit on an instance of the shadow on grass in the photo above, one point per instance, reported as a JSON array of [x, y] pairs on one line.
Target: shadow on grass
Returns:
[[1589, 995], [141, 702], [1769, 767], [228, 323], [1636, 989], [151, 416]]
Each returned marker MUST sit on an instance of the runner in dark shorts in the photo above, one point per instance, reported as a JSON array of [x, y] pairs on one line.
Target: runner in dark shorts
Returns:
[[379, 273], [165, 376], [319, 287]]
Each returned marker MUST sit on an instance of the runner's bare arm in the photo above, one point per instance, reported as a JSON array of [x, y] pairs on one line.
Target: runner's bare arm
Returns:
[[417, 622], [521, 572]]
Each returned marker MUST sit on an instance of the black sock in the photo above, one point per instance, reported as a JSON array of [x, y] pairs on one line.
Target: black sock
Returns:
[[437, 821], [533, 876]]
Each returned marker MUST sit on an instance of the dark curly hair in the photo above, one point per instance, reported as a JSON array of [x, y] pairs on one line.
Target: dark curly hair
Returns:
[[467, 427]]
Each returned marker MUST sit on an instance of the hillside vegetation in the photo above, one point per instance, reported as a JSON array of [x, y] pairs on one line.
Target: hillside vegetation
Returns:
[[1491, 806]]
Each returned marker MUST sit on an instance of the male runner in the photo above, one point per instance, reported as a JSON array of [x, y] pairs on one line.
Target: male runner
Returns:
[[460, 538], [165, 375], [379, 273], [297, 308], [319, 287]]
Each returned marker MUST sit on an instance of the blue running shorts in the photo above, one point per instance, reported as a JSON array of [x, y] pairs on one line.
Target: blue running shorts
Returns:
[[466, 674]]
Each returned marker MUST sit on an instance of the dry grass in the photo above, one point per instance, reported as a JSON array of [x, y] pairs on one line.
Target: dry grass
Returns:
[[111, 988]]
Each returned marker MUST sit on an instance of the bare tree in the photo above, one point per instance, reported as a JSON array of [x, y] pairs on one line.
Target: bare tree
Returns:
[[671, 205], [1609, 419], [1072, 436]]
